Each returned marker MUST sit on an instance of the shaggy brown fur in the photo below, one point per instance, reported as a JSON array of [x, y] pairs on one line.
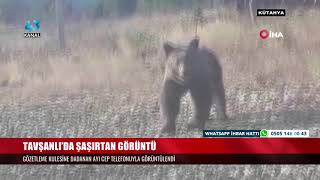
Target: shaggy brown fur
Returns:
[[196, 70]]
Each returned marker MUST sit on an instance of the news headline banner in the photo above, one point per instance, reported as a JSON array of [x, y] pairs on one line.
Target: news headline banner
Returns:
[[256, 133], [159, 151]]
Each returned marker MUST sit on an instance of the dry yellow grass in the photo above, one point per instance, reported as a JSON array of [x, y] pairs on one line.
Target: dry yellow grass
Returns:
[[126, 55]]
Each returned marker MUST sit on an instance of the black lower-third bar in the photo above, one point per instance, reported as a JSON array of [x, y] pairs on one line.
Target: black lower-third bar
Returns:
[[162, 159]]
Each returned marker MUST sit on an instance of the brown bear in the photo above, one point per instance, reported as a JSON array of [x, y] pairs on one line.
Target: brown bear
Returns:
[[196, 70]]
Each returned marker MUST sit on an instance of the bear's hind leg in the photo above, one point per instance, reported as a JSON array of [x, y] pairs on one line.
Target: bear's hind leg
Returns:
[[220, 101]]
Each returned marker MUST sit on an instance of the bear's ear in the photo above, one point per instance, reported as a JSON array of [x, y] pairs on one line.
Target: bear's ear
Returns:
[[194, 44], [168, 48]]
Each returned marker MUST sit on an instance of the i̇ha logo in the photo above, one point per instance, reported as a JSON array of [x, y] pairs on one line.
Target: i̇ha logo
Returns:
[[264, 34]]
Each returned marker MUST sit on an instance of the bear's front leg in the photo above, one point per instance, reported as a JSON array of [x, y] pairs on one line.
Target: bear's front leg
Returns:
[[202, 99], [169, 105]]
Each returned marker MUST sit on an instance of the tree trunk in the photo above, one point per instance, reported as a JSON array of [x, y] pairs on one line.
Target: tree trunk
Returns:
[[60, 24], [251, 12]]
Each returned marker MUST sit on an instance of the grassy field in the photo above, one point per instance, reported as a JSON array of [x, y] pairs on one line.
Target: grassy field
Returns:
[[110, 76]]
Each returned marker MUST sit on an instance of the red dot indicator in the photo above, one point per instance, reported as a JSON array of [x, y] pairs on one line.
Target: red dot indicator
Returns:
[[264, 34]]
